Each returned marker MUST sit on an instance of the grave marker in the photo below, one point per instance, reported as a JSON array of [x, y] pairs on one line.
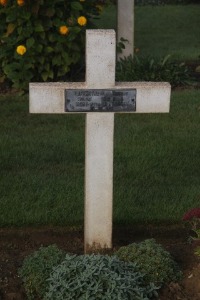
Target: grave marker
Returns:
[[99, 97], [125, 25]]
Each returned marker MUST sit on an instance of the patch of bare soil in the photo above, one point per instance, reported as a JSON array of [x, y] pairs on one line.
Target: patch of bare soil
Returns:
[[16, 244]]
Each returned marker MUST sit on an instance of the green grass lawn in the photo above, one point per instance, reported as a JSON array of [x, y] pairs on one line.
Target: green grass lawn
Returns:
[[156, 164], [163, 30]]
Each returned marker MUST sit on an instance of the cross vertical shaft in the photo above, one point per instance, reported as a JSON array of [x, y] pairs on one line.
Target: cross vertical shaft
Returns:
[[100, 74]]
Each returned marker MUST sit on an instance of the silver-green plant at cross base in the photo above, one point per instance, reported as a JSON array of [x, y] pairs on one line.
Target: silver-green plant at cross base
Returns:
[[98, 277]]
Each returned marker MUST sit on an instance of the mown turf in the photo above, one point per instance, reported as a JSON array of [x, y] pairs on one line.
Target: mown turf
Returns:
[[163, 30], [156, 164]]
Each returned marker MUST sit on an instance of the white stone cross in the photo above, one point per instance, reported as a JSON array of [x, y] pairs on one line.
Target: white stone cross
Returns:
[[125, 25], [99, 93]]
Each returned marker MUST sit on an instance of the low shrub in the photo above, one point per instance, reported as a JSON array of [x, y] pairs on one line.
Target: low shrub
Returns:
[[152, 260], [150, 69], [43, 40], [97, 277], [36, 269]]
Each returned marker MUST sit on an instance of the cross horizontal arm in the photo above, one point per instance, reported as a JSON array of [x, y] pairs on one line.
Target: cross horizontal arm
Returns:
[[151, 97]]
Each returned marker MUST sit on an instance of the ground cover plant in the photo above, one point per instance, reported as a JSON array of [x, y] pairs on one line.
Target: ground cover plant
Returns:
[[98, 277], [153, 261], [133, 68], [156, 164], [48, 273], [36, 270], [136, 271]]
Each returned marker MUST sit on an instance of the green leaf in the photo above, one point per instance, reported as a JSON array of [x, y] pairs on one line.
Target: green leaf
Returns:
[[56, 61], [26, 15], [11, 27], [42, 59], [51, 37], [63, 71], [49, 49], [28, 66], [39, 48], [30, 42], [12, 16], [42, 35], [38, 28], [45, 75], [47, 23], [76, 6], [47, 67], [166, 58], [14, 66], [75, 29], [57, 22], [121, 45], [59, 13], [20, 30], [50, 12], [65, 56], [51, 74]]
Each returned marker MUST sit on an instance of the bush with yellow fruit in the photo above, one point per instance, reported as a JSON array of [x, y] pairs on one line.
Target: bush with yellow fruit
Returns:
[[43, 40]]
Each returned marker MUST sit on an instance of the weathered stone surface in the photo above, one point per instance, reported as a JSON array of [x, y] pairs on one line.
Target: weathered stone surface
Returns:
[[100, 59], [125, 26], [152, 97], [99, 180]]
